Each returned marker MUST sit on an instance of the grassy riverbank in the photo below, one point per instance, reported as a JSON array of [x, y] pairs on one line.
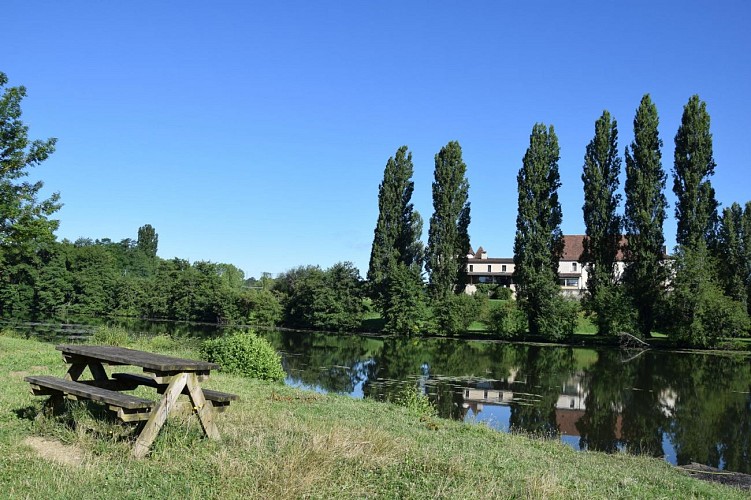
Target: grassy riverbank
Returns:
[[284, 443]]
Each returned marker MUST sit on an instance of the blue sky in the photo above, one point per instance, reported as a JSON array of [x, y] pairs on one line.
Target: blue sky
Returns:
[[256, 133]]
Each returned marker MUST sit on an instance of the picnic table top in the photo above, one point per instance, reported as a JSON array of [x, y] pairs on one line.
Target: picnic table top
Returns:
[[147, 360]]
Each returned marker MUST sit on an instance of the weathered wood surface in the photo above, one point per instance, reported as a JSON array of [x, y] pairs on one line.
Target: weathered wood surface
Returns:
[[159, 415], [124, 356], [45, 383], [211, 395]]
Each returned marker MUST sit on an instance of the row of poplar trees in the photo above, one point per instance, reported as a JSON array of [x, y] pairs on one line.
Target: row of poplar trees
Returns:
[[398, 255], [699, 295]]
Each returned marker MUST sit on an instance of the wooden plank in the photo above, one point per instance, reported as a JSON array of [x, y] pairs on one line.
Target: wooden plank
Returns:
[[158, 416], [203, 408], [211, 395], [147, 360], [131, 416], [79, 390]]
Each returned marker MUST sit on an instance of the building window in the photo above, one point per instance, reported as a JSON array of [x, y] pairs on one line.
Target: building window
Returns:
[[569, 282], [503, 268], [471, 268], [489, 266], [573, 266]]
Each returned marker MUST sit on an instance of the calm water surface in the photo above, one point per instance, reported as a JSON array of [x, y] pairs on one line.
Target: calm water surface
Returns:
[[686, 407]]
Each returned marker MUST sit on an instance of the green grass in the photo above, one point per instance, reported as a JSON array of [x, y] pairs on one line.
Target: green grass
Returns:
[[280, 442]]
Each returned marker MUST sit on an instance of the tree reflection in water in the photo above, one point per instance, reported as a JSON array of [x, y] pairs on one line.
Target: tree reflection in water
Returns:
[[688, 407]]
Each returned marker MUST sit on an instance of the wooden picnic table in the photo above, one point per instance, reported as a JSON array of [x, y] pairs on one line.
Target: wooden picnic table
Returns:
[[170, 375]]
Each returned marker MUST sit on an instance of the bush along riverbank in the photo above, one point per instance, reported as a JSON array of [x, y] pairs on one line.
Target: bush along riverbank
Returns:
[[279, 442]]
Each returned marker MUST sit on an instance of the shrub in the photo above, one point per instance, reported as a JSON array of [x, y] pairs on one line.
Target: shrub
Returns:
[[493, 291], [110, 335], [560, 321], [10, 333], [244, 353], [161, 342], [416, 401], [507, 320], [503, 293], [454, 313]]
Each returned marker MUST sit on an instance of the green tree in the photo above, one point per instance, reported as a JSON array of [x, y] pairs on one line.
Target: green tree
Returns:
[[322, 300], [696, 206], [148, 240], [699, 313], [538, 244], [602, 166], [397, 234], [746, 244], [404, 305], [448, 236], [645, 209], [734, 254], [26, 230]]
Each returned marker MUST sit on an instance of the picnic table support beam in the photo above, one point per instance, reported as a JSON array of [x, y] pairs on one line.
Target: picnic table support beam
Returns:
[[203, 408], [78, 366], [159, 415]]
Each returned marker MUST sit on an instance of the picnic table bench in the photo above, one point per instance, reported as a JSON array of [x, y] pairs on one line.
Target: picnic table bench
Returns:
[[171, 376]]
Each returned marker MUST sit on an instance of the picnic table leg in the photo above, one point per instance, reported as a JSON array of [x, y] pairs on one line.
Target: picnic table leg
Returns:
[[75, 371], [159, 415], [95, 367], [203, 408]]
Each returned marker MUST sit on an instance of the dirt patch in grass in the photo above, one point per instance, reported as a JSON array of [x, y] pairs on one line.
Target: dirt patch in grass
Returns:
[[55, 451]]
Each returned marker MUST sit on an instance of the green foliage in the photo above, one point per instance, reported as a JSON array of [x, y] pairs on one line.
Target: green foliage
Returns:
[[26, 230], [602, 167], [696, 207], [734, 249], [323, 300], [448, 235], [611, 309], [492, 291], [404, 304], [560, 321], [162, 343], [260, 307], [11, 333], [110, 335], [538, 244], [416, 401], [699, 314], [453, 314], [507, 320], [244, 353], [148, 240], [645, 209], [396, 238]]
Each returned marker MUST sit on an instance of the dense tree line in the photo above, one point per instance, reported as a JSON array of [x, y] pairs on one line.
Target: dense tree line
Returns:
[[699, 295]]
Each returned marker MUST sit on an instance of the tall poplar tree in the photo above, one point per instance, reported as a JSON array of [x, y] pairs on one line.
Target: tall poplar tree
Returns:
[[538, 244], [448, 236], [644, 216], [148, 240], [602, 166], [396, 239], [734, 260], [696, 207], [396, 258]]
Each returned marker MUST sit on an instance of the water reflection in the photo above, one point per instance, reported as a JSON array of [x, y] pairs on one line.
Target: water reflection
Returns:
[[685, 407]]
